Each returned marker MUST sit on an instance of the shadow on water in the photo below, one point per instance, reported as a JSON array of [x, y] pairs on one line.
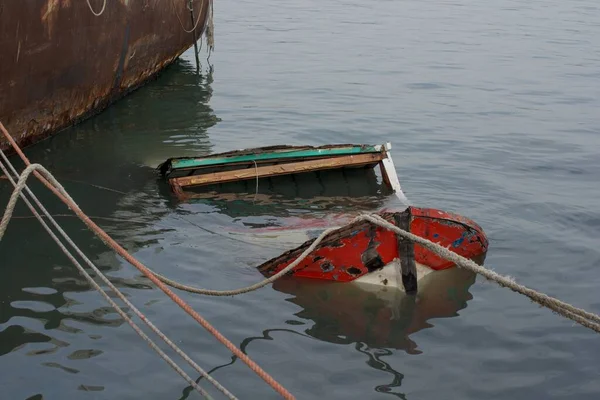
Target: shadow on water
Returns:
[[376, 321], [107, 165]]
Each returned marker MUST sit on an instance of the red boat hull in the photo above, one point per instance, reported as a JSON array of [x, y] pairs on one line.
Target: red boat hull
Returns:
[[362, 248]]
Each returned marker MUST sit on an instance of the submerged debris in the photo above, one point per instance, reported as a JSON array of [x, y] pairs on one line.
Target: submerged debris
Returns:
[[272, 161]]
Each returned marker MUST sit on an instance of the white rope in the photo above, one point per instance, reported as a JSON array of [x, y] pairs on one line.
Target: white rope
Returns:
[[106, 281], [19, 188], [97, 14], [251, 288], [190, 8]]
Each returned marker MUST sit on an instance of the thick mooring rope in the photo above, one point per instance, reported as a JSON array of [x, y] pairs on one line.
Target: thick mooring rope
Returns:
[[107, 282], [251, 288], [101, 234]]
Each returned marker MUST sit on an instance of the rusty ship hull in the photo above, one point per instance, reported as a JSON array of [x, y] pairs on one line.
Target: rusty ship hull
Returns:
[[60, 63]]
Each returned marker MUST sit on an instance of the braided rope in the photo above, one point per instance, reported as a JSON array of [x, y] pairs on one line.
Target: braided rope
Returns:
[[578, 315], [251, 288], [582, 317]]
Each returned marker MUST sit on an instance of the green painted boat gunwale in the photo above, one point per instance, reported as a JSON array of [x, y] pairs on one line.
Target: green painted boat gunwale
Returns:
[[203, 162]]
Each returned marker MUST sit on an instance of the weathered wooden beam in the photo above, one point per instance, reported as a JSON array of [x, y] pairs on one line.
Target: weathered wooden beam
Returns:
[[277, 170], [406, 253], [265, 156]]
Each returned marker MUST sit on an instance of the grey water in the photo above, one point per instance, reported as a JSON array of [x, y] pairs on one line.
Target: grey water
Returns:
[[493, 111]]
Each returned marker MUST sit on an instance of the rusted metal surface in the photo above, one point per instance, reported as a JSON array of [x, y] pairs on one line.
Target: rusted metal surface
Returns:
[[60, 63], [361, 248]]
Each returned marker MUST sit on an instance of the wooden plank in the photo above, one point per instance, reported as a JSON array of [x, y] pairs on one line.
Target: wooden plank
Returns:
[[206, 161], [277, 170], [223, 167]]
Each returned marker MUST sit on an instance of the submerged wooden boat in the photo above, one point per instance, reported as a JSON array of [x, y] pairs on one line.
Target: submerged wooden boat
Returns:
[[266, 162], [64, 60]]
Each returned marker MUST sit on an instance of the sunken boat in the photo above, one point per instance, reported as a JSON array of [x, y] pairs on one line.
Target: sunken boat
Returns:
[[188, 173], [365, 253], [65, 60], [357, 251]]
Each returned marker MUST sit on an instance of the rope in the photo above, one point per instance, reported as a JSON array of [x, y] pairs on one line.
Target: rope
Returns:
[[92, 185], [7, 215], [65, 198], [97, 271], [578, 315], [181, 22], [582, 317], [251, 288], [97, 14]]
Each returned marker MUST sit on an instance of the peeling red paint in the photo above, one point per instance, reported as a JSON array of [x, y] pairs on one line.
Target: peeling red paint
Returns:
[[359, 248]]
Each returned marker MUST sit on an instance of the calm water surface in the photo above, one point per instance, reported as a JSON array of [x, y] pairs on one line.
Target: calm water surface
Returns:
[[493, 111]]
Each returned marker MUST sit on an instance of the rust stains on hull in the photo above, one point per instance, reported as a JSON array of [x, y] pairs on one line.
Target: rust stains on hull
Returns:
[[61, 64]]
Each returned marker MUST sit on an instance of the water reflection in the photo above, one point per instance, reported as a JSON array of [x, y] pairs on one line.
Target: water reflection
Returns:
[[375, 320], [377, 317]]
